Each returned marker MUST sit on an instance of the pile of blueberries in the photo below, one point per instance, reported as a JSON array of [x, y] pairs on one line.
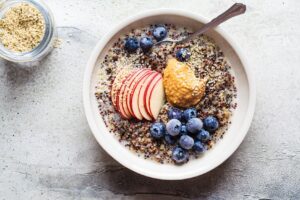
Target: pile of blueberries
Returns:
[[146, 43], [185, 130]]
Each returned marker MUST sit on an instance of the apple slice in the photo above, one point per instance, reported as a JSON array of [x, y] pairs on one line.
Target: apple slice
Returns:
[[124, 91], [120, 107], [124, 113], [142, 92], [157, 98], [129, 88], [148, 93], [117, 83], [133, 99]]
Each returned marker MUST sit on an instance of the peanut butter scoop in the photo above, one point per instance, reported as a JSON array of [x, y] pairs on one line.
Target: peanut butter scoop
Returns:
[[182, 88]]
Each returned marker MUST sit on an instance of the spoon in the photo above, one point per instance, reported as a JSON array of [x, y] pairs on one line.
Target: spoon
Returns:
[[235, 10]]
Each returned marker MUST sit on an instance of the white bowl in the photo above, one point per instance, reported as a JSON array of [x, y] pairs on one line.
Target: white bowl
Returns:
[[241, 119]]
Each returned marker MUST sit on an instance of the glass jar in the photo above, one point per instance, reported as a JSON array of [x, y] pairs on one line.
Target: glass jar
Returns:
[[44, 47]]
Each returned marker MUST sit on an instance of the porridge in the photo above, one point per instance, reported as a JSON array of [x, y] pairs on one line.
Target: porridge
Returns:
[[168, 102]]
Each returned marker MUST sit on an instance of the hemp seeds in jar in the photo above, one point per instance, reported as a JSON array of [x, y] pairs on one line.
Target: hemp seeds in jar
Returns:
[[27, 31]]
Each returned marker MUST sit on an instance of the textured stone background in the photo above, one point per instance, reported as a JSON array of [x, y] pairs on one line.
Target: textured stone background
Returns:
[[48, 152]]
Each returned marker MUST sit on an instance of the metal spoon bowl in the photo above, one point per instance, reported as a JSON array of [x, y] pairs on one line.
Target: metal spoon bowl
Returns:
[[235, 10]]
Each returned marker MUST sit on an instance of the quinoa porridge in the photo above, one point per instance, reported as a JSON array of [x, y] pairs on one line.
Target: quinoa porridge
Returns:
[[189, 95]]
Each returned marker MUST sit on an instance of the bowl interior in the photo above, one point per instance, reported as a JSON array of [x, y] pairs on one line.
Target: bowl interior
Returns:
[[212, 158]]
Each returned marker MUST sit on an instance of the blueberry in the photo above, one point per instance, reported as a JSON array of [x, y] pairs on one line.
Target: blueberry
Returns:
[[199, 147], [189, 114], [183, 54], [203, 135], [211, 123], [186, 142], [157, 130], [146, 44], [183, 130], [174, 113], [173, 127], [170, 139], [159, 33], [194, 125], [131, 44], [180, 155]]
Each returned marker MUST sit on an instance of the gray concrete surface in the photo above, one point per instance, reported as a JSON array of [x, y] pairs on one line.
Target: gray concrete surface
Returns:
[[48, 152]]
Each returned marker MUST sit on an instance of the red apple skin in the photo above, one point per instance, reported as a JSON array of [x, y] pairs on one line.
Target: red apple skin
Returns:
[[145, 74], [123, 115], [148, 89], [125, 88], [117, 104], [120, 108], [120, 96], [113, 97], [117, 82], [149, 103], [133, 80], [141, 95], [126, 83], [129, 102]]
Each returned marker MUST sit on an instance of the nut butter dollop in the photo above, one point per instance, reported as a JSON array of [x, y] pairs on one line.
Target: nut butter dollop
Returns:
[[182, 88]]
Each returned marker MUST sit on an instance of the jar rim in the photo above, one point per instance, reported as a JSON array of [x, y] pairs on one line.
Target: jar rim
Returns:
[[44, 45]]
